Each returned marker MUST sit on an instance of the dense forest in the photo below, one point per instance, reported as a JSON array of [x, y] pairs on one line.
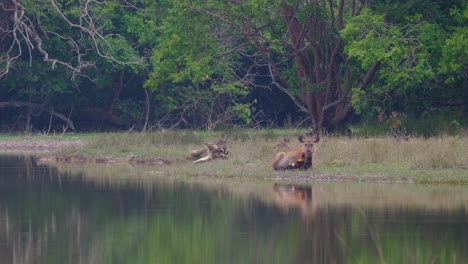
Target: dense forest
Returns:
[[148, 65]]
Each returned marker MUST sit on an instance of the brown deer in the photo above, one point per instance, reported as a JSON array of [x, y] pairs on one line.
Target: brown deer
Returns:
[[296, 158]]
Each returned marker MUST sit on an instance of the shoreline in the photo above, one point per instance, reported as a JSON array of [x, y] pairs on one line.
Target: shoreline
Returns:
[[38, 146], [49, 152]]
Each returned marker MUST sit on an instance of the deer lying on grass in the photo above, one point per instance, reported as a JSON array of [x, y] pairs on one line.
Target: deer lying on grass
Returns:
[[296, 158]]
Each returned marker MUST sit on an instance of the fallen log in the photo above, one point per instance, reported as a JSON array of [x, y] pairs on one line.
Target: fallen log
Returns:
[[211, 151]]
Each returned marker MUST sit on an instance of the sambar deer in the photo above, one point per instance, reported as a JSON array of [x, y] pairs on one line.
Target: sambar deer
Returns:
[[300, 158]]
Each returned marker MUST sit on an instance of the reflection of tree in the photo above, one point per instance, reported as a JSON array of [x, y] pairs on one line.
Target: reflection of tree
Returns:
[[350, 234], [317, 241], [24, 239], [44, 220], [45, 242]]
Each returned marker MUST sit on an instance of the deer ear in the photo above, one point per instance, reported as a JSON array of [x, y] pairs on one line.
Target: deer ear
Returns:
[[317, 139], [301, 139]]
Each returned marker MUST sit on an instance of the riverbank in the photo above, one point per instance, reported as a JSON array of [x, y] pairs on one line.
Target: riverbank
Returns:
[[441, 159], [38, 145], [52, 151]]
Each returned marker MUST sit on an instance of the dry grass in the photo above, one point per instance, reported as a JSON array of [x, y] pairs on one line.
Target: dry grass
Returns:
[[417, 153], [435, 159], [438, 159]]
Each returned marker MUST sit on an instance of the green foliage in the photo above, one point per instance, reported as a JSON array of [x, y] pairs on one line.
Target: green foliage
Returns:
[[128, 110], [35, 81], [358, 101], [455, 49], [187, 75], [408, 42], [183, 52], [367, 40], [429, 124], [191, 53], [402, 52]]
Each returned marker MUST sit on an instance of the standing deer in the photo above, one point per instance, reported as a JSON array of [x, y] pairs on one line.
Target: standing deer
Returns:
[[296, 158]]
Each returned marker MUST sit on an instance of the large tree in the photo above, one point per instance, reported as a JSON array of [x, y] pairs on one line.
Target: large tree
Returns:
[[31, 29], [454, 64], [62, 54], [104, 48], [420, 46], [193, 85], [298, 42], [332, 57], [329, 57]]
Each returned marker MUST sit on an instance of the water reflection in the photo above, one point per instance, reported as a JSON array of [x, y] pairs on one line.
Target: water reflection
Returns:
[[290, 196], [128, 215]]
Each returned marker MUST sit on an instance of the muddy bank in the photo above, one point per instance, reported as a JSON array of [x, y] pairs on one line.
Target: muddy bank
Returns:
[[91, 159], [345, 178], [38, 146], [45, 150]]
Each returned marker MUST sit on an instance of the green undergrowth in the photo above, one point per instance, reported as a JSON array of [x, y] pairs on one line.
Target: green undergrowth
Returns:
[[426, 125]]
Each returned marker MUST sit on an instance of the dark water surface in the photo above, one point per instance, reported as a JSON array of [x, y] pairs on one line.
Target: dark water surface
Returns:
[[110, 214]]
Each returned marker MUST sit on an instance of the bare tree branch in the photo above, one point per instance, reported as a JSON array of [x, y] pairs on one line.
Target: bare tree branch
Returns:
[[20, 32], [20, 104]]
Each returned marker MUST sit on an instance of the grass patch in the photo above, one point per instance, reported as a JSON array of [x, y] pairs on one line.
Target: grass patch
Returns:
[[51, 137], [441, 159], [416, 153], [435, 159]]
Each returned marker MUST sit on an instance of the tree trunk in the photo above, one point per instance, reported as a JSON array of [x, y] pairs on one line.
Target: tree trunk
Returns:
[[116, 93], [317, 60], [313, 44], [465, 96]]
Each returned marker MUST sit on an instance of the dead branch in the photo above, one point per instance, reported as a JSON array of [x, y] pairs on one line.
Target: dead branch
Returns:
[[211, 151], [20, 104], [20, 32]]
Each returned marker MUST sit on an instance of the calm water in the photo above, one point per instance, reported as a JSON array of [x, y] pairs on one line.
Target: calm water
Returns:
[[137, 215]]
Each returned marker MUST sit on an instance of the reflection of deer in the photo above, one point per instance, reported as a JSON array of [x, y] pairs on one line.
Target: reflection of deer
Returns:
[[295, 196], [296, 158]]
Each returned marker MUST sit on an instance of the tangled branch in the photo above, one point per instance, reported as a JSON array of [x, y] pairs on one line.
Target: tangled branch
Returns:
[[19, 32]]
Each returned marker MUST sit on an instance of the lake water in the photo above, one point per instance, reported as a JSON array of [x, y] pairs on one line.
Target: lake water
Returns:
[[111, 214]]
